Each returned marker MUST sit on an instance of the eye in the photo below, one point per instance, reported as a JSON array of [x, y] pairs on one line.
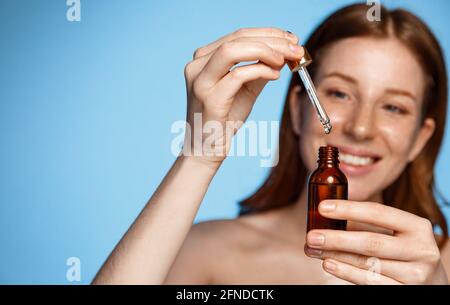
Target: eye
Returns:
[[394, 109], [338, 94]]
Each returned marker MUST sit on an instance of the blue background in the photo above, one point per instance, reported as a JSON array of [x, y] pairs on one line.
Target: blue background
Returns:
[[86, 110]]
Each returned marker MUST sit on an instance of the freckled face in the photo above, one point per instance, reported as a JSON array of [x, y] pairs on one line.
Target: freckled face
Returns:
[[372, 90]]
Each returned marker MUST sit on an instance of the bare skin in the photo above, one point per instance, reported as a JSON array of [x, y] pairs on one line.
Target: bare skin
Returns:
[[162, 246], [147, 251], [264, 248]]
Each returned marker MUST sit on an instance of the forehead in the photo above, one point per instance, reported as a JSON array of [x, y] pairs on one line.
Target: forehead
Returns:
[[376, 64]]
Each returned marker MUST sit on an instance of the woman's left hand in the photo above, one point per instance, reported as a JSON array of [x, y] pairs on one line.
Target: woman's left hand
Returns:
[[409, 256]]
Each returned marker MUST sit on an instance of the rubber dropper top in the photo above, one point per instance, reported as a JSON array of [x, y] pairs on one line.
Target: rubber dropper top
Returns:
[[299, 66]]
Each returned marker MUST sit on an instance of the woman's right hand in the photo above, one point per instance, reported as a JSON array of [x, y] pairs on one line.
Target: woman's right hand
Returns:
[[223, 97], [147, 251]]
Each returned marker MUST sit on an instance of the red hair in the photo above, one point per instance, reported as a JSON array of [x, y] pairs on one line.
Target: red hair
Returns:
[[413, 190]]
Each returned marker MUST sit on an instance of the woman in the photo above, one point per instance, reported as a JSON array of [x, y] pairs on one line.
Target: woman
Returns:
[[384, 85]]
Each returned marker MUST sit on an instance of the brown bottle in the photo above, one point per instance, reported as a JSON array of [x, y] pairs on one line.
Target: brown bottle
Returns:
[[326, 182]]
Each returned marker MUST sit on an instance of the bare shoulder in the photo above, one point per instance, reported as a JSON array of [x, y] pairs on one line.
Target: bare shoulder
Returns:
[[217, 240], [192, 264], [232, 233]]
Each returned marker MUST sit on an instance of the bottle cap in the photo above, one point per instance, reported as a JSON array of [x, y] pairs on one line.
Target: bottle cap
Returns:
[[296, 65]]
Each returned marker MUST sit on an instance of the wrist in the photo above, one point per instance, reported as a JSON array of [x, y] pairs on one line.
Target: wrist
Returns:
[[200, 162]]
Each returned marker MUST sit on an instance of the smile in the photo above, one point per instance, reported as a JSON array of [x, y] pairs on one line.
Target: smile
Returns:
[[357, 162]]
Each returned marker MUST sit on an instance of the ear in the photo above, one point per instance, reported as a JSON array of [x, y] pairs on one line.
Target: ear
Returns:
[[425, 133], [295, 109]]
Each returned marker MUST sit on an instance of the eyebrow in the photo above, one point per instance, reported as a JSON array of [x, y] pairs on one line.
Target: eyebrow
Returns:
[[343, 76], [401, 92], [352, 80]]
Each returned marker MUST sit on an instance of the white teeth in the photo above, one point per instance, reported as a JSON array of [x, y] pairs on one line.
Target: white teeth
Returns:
[[355, 160]]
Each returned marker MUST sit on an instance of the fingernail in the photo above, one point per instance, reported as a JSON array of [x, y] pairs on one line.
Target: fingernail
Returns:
[[296, 48], [327, 206], [291, 36], [313, 252], [329, 265], [315, 239]]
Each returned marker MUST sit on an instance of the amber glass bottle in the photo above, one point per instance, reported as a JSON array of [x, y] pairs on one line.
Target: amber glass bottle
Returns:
[[326, 182]]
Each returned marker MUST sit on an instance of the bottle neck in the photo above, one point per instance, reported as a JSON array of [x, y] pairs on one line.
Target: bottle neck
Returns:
[[328, 163], [328, 157]]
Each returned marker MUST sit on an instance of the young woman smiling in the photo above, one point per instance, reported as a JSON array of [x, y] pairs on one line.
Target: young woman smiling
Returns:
[[384, 85]]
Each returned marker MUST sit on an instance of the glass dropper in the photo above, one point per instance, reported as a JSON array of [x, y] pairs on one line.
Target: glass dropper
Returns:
[[300, 67]]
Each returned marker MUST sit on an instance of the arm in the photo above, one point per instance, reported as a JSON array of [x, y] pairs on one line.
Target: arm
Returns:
[[146, 252], [221, 95]]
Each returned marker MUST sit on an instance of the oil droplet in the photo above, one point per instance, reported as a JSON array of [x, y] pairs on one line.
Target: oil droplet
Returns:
[[327, 128]]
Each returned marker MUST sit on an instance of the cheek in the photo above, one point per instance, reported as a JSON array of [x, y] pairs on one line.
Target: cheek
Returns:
[[310, 123], [339, 113], [398, 138]]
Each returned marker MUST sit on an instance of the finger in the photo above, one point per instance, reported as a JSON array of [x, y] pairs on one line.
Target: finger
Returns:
[[289, 50], [356, 260], [363, 243], [361, 226], [356, 275], [373, 213], [283, 46], [231, 53], [233, 82], [246, 32], [403, 272]]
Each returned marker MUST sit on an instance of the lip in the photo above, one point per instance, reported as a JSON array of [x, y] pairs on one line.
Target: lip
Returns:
[[358, 152], [350, 170]]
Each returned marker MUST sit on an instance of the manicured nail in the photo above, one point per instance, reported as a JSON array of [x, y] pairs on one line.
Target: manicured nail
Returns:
[[315, 239], [296, 48], [329, 265], [291, 36], [313, 252], [327, 206]]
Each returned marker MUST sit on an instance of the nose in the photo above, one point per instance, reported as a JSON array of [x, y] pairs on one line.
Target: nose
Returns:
[[360, 125]]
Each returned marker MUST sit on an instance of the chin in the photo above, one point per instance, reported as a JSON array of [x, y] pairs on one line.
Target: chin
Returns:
[[357, 196], [359, 190]]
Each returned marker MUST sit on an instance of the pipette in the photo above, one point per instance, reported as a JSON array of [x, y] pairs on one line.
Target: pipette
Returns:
[[300, 67]]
